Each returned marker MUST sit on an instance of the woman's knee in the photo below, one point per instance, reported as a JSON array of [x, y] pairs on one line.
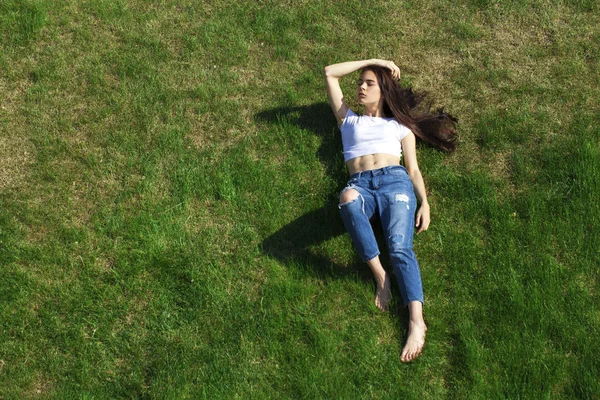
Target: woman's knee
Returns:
[[348, 196]]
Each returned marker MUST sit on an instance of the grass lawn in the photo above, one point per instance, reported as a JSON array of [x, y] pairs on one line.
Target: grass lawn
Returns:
[[169, 173]]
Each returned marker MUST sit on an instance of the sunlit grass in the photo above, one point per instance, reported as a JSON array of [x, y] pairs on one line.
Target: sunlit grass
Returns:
[[168, 183]]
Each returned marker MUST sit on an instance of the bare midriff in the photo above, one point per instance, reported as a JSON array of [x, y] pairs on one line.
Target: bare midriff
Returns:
[[371, 161]]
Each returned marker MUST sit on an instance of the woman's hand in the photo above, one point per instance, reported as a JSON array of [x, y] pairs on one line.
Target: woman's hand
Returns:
[[391, 66], [422, 219]]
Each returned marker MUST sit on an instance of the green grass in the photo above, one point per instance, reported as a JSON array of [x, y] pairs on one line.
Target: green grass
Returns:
[[169, 174]]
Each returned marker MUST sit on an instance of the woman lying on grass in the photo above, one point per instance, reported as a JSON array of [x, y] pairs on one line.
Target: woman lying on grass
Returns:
[[379, 185]]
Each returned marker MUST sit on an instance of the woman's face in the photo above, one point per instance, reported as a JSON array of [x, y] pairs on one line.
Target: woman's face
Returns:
[[368, 91]]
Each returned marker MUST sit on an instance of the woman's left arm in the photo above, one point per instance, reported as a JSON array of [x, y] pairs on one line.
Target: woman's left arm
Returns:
[[409, 148]]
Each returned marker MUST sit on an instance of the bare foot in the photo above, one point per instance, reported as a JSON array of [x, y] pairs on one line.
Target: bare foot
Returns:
[[382, 295], [415, 341]]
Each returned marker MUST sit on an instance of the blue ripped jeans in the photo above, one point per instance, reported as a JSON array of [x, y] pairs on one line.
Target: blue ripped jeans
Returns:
[[388, 192]]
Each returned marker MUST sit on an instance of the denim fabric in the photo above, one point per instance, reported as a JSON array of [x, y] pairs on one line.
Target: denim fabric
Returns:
[[387, 192]]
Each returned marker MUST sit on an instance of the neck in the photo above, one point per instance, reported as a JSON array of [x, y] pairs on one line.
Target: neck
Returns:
[[373, 110]]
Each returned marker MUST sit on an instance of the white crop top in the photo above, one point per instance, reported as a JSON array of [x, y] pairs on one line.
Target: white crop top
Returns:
[[362, 135]]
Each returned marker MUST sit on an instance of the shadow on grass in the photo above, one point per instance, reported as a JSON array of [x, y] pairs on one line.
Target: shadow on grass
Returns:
[[319, 120], [295, 242]]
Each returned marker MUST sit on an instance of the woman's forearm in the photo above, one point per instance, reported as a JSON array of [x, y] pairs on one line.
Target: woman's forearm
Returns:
[[345, 68], [419, 185], [423, 215], [336, 71]]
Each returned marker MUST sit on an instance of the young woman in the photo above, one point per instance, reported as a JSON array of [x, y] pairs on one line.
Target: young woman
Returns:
[[373, 145]]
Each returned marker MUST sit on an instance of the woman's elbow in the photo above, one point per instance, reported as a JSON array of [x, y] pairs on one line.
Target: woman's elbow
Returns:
[[413, 172]]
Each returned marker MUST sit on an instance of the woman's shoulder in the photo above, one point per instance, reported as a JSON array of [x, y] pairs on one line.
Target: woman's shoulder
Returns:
[[350, 118], [351, 113], [401, 129]]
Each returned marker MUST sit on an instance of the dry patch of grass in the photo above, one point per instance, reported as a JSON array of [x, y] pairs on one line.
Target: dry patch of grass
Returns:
[[16, 151], [40, 387], [498, 165], [16, 155]]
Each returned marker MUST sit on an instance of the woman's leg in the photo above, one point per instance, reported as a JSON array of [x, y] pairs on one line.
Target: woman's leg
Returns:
[[356, 210], [397, 219], [397, 210], [416, 332], [408, 276], [382, 278]]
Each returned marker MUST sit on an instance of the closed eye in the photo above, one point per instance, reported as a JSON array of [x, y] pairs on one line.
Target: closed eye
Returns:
[[370, 82]]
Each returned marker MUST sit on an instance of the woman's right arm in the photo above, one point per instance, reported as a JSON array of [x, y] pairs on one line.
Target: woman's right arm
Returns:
[[334, 72]]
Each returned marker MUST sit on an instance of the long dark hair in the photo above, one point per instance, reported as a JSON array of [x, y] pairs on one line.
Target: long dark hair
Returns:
[[413, 110]]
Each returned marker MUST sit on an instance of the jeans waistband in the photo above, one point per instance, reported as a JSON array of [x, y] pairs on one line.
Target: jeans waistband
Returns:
[[379, 171]]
